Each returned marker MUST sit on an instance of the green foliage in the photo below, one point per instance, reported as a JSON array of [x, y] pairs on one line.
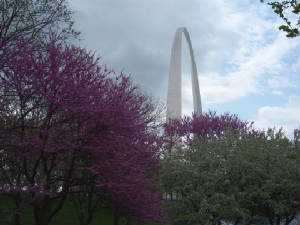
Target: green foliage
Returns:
[[235, 178], [286, 9]]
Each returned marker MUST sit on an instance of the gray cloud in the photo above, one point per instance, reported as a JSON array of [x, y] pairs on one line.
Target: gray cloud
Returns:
[[135, 36], [237, 48]]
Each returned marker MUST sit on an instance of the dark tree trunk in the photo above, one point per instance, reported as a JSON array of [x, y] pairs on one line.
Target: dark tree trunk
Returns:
[[271, 220], [18, 208], [288, 220], [237, 221], [86, 207], [42, 213], [40, 217], [116, 216], [278, 220], [44, 210]]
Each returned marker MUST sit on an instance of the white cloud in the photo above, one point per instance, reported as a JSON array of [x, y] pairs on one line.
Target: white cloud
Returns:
[[249, 73], [295, 68], [287, 117], [237, 33], [238, 49], [279, 93], [256, 57], [279, 82], [279, 114]]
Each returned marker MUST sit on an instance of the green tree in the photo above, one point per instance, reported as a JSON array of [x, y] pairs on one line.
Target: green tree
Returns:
[[198, 176], [287, 9], [270, 175], [235, 177]]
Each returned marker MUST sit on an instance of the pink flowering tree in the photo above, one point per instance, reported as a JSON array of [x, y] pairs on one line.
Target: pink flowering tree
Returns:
[[69, 126], [209, 126]]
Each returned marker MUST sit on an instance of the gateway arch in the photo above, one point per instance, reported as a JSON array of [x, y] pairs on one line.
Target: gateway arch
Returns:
[[174, 99]]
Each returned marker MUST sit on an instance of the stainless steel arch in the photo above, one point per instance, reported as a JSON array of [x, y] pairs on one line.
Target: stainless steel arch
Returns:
[[174, 85]]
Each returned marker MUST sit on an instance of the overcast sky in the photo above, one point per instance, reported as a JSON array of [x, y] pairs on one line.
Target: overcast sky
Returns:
[[246, 66]]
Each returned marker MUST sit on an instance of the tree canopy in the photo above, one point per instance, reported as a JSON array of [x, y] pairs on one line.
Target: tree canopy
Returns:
[[33, 19], [67, 122], [223, 169]]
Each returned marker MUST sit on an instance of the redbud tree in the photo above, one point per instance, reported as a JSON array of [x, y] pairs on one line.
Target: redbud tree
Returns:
[[68, 123], [207, 127]]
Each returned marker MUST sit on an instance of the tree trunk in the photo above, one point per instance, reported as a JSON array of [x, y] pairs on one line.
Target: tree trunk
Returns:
[[42, 212], [278, 220], [237, 221], [41, 217], [116, 216], [128, 221], [288, 220], [18, 208]]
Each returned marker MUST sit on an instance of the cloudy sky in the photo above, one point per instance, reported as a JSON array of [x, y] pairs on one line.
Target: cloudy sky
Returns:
[[246, 66]]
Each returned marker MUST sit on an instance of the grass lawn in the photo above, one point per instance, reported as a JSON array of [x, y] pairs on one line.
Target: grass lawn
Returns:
[[66, 216]]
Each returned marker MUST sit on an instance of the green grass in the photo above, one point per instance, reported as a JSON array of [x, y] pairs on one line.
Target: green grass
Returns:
[[66, 216]]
